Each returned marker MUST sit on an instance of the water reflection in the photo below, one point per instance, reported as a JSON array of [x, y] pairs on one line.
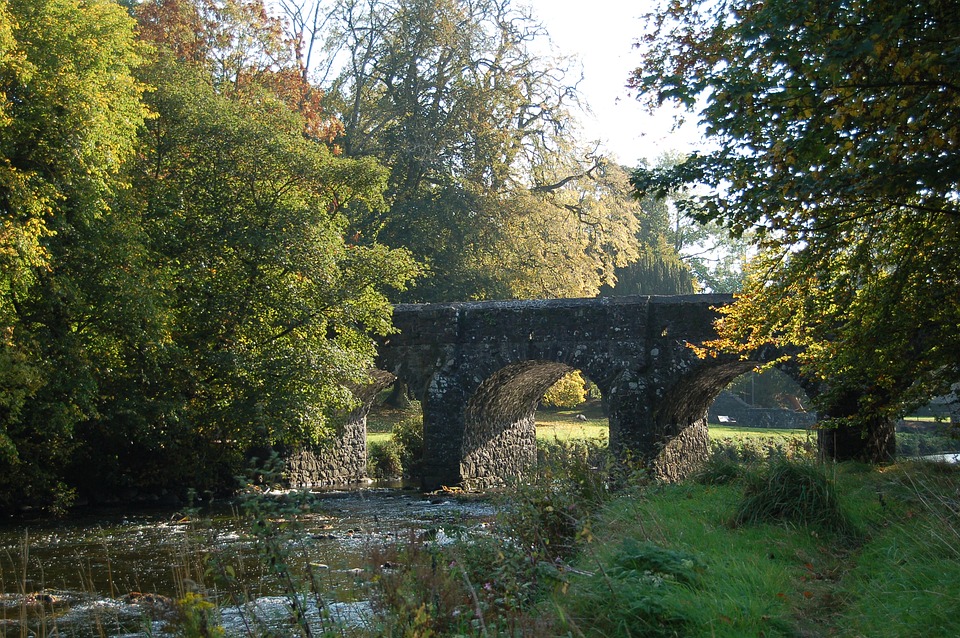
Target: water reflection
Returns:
[[117, 575]]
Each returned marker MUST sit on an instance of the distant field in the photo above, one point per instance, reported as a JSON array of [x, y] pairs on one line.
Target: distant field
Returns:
[[553, 424], [564, 425], [734, 432]]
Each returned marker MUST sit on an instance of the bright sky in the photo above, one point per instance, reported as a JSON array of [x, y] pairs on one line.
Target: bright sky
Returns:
[[601, 34]]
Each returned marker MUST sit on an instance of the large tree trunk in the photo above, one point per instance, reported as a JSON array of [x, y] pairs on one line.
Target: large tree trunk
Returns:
[[399, 396], [874, 442]]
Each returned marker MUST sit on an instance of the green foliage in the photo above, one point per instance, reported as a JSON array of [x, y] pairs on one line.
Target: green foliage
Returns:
[[793, 492], [549, 513], [747, 447], [487, 184], [175, 288], [651, 275], [426, 595], [196, 618], [635, 594], [70, 108], [678, 254], [911, 444], [826, 141], [383, 459], [493, 583], [407, 436], [246, 226], [569, 392], [718, 469], [769, 388]]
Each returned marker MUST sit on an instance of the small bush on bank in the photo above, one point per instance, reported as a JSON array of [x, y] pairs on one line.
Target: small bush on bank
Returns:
[[642, 592], [731, 458], [407, 436], [493, 584], [383, 460], [791, 491]]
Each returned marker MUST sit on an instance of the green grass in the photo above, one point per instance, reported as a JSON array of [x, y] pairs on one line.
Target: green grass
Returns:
[[899, 576], [563, 424], [750, 575], [741, 432], [377, 438]]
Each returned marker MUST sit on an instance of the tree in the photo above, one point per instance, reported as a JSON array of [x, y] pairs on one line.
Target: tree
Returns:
[[485, 185], [243, 49], [263, 313], [70, 108], [677, 254], [568, 392], [834, 133], [176, 283]]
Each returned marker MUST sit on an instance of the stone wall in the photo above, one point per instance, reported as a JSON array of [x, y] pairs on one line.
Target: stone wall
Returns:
[[731, 407], [340, 462], [343, 459], [479, 369]]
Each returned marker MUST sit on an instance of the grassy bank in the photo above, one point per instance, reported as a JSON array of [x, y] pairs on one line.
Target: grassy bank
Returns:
[[764, 542], [776, 548], [892, 569]]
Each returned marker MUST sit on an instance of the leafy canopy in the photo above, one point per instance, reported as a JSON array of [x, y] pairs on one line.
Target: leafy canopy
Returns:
[[70, 108], [486, 183], [834, 130]]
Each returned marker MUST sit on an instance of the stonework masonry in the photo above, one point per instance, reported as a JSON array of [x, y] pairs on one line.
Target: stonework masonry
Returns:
[[479, 370]]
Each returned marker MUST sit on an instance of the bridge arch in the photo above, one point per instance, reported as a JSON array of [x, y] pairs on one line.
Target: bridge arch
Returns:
[[500, 423], [479, 369]]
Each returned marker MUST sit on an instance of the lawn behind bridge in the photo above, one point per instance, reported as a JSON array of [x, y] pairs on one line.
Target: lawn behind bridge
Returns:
[[565, 424]]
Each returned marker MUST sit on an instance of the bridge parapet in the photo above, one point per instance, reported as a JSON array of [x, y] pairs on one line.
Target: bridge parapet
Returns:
[[480, 368]]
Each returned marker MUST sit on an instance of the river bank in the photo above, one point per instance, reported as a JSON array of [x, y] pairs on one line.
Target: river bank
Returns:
[[125, 574], [561, 554]]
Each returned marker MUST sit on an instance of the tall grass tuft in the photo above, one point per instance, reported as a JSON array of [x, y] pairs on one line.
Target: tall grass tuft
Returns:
[[719, 469], [643, 591], [792, 491]]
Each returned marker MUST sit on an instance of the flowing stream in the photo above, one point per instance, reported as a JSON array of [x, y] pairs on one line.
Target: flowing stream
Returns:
[[112, 574]]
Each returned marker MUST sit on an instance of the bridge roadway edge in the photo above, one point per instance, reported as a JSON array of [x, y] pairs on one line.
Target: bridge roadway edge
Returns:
[[479, 369]]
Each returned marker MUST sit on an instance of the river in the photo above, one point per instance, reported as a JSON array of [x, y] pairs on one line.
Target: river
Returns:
[[115, 574]]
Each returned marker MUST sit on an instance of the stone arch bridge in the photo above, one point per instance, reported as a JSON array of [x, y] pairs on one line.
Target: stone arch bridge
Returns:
[[479, 370]]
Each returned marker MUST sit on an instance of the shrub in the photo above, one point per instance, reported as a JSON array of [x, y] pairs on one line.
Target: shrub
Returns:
[[752, 449], [569, 392], [408, 437], [792, 491], [383, 460]]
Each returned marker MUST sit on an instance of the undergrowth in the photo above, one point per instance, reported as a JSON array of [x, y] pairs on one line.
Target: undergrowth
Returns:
[[495, 583], [795, 492]]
